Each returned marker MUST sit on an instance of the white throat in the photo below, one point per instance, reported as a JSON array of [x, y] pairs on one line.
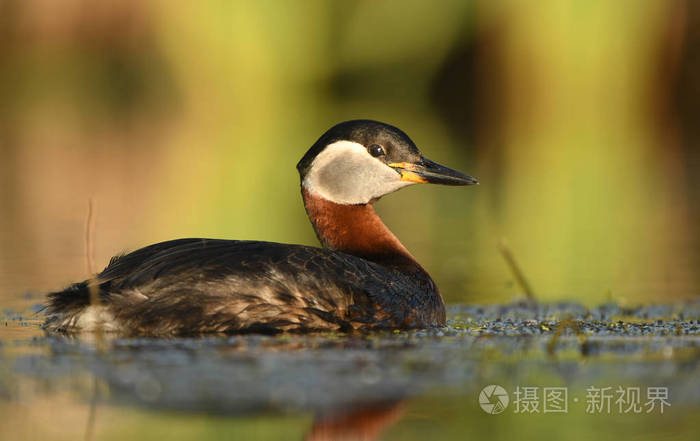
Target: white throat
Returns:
[[345, 173]]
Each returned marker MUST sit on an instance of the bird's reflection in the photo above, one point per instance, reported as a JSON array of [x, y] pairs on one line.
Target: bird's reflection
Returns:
[[343, 380], [361, 422]]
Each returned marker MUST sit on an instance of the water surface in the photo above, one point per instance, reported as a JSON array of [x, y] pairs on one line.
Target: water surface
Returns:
[[385, 385]]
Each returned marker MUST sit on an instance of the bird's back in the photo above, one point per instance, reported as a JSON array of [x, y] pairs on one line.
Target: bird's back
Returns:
[[195, 286]]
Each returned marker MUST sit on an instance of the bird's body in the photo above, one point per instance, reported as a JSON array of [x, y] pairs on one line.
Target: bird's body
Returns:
[[281, 288], [363, 278]]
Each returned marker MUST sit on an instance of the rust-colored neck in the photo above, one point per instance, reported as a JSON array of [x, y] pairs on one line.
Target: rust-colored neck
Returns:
[[357, 230]]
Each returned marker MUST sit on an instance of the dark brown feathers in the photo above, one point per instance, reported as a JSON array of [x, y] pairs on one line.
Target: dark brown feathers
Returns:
[[195, 286]]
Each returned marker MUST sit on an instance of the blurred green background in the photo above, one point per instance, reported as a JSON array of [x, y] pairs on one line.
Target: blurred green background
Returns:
[[579, 118]]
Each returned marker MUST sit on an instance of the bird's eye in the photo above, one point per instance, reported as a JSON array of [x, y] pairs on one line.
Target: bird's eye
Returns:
[[376, 150]]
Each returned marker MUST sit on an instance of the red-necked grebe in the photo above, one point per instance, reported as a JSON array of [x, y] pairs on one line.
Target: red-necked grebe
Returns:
[[362, 278]]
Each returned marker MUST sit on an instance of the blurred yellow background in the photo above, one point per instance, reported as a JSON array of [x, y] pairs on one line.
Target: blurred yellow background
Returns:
[[579, 118]]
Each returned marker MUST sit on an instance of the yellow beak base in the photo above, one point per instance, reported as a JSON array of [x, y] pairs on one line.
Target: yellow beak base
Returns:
[[409, 176]]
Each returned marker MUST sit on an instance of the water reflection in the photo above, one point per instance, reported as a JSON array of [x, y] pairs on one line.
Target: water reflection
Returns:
[[338, 386], [362, 422]]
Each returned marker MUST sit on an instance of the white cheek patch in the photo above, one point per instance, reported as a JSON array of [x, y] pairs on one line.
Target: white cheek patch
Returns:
[[345, 173]]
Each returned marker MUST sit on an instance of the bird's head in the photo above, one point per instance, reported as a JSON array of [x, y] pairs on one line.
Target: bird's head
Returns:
[[359, 161]]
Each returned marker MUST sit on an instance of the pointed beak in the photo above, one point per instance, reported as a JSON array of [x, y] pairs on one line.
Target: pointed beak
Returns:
[[429, 172]]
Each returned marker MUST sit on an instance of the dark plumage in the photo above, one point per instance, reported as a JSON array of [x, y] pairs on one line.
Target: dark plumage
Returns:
[[206, 286], [364, 278]]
